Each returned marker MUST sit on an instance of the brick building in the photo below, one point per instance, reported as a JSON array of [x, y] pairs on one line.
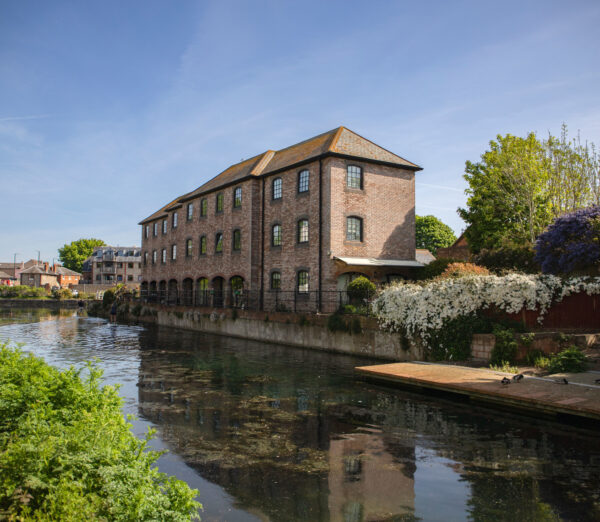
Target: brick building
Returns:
[[295, 224]]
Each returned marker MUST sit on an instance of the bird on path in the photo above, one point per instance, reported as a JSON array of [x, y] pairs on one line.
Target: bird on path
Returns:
[[505, 381], [518, 377], [562, 381]]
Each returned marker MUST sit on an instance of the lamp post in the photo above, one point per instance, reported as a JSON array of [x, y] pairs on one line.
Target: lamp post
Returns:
[[15, 264]]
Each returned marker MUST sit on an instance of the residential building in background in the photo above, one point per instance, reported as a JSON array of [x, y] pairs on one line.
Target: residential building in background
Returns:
[[14, 268], [49, 277], [299, 223], [6, 279], [111, 265]]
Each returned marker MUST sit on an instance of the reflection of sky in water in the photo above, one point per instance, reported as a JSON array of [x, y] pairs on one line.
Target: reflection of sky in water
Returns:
[[276, 433]]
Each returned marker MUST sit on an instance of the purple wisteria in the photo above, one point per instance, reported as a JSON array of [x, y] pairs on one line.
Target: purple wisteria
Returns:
[[571, 243]]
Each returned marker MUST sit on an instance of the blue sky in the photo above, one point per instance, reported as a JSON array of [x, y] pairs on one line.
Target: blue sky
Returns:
[[110, 109]]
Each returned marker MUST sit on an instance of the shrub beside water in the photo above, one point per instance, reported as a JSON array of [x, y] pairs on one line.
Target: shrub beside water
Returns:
[[22, 292], [67, 453], [571, 360]]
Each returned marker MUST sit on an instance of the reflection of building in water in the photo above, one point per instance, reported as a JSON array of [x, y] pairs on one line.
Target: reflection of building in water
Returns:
[[366, 482]]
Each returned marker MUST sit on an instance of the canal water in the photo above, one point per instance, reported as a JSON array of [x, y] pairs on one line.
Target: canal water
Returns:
[[268, 432]]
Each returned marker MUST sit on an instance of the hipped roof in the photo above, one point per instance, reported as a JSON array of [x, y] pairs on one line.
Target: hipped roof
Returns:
[[340, 141]]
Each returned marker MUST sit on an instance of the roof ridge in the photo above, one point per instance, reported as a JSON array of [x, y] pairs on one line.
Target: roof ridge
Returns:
[[335, 138], [263, 162], [379, 146]]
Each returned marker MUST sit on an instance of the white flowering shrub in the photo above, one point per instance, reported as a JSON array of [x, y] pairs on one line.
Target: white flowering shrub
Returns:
[[418, 310]]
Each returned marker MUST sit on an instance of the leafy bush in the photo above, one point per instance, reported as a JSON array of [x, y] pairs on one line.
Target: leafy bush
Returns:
[[453, 340], [571, 242], [463, 269], [520, 258], [435, 268], [361, 289], [505, 348], [108, 298], [336, 323], [570, 360], [22, 291], [67, 453], [348, 309], [62, 293]]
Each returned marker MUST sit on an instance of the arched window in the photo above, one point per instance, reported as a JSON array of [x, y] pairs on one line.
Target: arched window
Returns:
[[275, 280], [204, 207], [237, 239], [277, 188], [188, 248], [303, 231], [219, 243], [202, 245], [354, 228], [220, 202], [276, 236], [354, 178], [202, 291], [302, 285], [303, 181], [190, 211], [237, 197]]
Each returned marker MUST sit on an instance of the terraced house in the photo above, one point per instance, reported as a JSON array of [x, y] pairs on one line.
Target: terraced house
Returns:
[[286, 229]]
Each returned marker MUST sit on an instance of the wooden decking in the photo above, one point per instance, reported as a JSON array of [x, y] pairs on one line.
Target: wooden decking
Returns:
[[541, 395]]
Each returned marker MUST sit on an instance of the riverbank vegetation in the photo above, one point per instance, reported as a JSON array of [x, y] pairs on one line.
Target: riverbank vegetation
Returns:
[[67, 452]]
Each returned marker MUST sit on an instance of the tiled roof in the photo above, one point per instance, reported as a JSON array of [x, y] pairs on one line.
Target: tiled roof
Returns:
[[66, 271], [36, 270], [4, 275], [336, 141], [422, 255]]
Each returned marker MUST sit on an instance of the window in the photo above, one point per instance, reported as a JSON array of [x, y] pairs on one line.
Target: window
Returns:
[[164, 255], [276, 281], [303, 179], [219, 243], [173, 252], [277, 188], [203, 245], [237, 239], [237, 197], [174, 220], [98, 277], [155, 230], [129, 265], [354, 177], [190, 211], [154, 257], [165, 224], [276, 236], [146, 231], [119, 265], [303, 231], [119, 277], [129, 278], [302, 282], [204, 207], [145, 258], [220, 202], [188, 248], [354, 228]]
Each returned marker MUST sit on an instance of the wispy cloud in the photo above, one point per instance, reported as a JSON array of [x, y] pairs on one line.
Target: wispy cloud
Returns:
[[441, 187], [29, 117]]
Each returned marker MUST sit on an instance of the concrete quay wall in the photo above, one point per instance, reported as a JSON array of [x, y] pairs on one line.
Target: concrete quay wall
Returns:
[[306, 331]]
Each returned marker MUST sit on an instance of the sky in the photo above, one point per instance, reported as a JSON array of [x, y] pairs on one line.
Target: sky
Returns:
[[108, 110]]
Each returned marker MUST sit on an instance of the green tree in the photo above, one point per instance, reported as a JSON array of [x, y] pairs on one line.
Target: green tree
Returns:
[[432, 233], [521, 184], [508, 198], [75, 253]]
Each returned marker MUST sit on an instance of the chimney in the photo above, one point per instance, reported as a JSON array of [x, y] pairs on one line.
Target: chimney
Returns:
[[45, 267]]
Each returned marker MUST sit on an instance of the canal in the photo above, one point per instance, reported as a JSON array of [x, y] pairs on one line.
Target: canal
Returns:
[[269, 432]]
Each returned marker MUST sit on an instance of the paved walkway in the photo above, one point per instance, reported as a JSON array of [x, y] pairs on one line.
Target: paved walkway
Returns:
[[581, 397]]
